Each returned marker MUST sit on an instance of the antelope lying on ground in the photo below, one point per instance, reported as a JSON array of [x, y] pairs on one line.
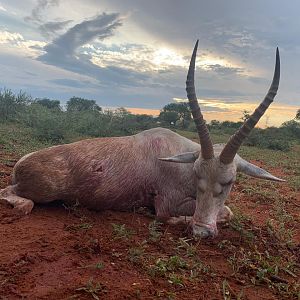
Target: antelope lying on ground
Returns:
[[125, 172]]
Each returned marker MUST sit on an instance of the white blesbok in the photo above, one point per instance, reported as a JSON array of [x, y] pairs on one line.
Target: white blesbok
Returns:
[[215, 170], [122, 173]]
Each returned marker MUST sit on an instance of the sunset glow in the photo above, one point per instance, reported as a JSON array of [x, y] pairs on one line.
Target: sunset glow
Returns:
[[276, 115], [137, 55], [168, 57]]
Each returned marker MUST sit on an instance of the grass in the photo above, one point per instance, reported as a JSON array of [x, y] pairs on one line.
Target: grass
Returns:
[[137, 253], [217, 138], [154, 231], [164, 266], [262, 255], [228, 293], [184, 244], [176, 279], [18, 140], [81, 226], [98, 266], [240, 223], [261, 267], [94, 289], [120, 231]]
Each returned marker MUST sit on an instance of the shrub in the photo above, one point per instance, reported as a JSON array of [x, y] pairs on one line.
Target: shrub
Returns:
[[11, 104], [269, 138], [47, 124]]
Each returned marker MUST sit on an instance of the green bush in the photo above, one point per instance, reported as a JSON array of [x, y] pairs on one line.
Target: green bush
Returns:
[[269, 138], [47, 124], [87, 123], [11, 104]]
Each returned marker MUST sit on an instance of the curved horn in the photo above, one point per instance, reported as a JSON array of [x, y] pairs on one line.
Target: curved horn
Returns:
[[207, 150], [234, 143]]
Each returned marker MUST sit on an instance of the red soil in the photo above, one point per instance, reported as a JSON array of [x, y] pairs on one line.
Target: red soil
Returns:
[[52, 253]]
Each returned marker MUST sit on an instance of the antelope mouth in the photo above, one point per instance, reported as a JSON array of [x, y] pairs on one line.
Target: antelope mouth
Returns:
[[204, 230]]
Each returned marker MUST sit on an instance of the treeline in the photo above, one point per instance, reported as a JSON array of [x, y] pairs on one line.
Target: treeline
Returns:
[[81, 118]]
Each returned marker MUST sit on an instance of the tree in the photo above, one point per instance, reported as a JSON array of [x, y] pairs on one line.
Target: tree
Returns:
[[181, 110], [215, 124], [168, 117], [81, 104], [298, 115], [51, 104], [122, 112]]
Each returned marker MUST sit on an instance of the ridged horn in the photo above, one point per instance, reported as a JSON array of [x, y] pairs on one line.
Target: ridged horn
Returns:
[[234, 143], [207, 150]]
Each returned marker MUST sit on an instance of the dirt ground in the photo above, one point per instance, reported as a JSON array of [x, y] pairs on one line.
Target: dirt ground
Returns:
[[60, 252]]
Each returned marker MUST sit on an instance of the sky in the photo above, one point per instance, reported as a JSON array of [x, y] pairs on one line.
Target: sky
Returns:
[[135, 53]]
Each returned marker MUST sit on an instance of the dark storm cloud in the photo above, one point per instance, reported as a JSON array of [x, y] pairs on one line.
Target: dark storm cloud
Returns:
[[100, 27], [62, 51], [50, 29]]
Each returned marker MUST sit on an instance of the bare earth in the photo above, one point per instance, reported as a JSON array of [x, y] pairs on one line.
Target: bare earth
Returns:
[[60, 252]]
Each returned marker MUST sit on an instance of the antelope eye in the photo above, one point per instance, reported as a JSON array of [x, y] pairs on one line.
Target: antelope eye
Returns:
[[200, 191]]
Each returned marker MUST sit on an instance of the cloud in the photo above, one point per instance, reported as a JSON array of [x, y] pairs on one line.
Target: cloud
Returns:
[[64, 51], [50, 29], [101, 27], [16, 40], [2, 8], [36, 13], [139, 57], [10, 37], [225, 71], [71, 83]]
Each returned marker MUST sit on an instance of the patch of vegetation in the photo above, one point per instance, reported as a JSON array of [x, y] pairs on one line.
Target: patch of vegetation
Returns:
[[121, 232], [263, 268], [186, 245], [19, 140], [279, 232], [48, 122], [176, 279], [228, 293], [90, 246], [163, 266], [240, 223], [98, 266], [94, 289], [81, 226], [136, 254], [155, 231]]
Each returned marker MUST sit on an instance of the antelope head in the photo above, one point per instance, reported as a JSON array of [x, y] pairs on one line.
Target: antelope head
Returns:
[[216, 170]]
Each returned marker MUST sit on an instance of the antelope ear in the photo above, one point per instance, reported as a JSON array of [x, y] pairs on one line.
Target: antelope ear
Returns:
[[187, 157], [254, 171]]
